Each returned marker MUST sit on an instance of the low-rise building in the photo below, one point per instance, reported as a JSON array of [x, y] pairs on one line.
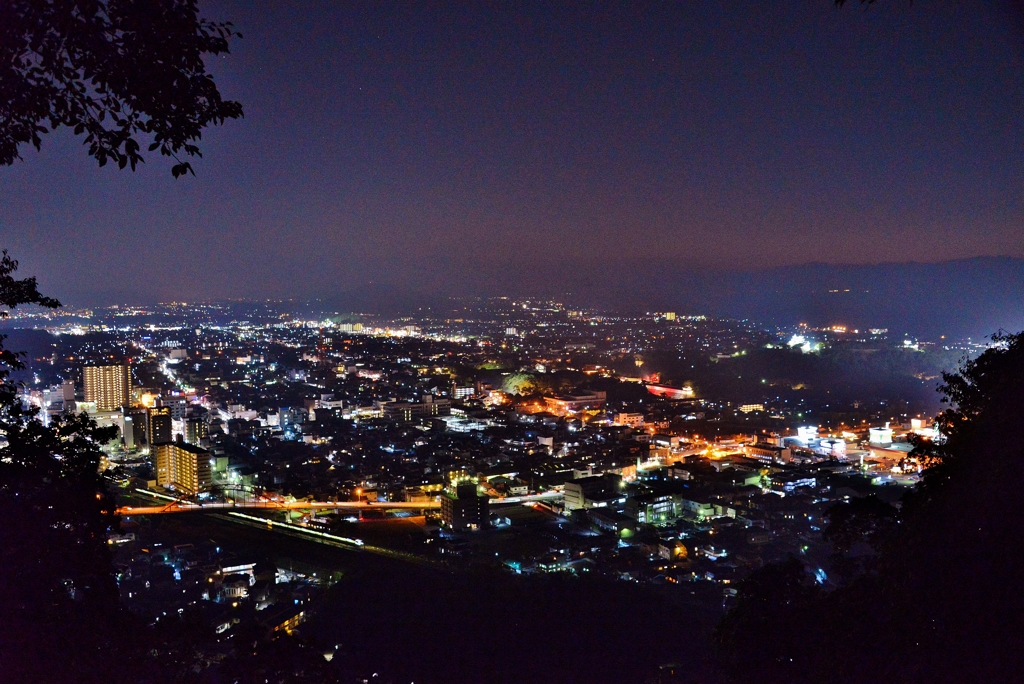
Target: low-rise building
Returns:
[[653, 508], [430, 407], [596, 491], [769, 453], [787, 482], [634, 420], [578, 401], [612, 521]]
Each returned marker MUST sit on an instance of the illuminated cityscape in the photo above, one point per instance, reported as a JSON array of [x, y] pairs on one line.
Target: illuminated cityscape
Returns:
[[517, 434], [500, 343]]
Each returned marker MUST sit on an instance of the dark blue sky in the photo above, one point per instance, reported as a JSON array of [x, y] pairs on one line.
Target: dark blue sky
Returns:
[[510, 147]]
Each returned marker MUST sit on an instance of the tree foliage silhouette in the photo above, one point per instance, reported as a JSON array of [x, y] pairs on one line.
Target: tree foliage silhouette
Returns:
[[120, 72], [57, 592], [941, 602]]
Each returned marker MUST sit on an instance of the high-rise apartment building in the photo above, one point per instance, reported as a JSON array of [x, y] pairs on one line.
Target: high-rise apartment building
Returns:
[[197, 430], [108, 386], [462, 507], [182, 467], [140, 422], [159, 431], [178, 406], [128, 432]]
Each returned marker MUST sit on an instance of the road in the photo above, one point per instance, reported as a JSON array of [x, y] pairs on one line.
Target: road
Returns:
[[221, 507], [178, 506]]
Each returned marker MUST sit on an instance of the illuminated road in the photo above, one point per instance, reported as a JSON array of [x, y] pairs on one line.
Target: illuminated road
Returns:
[[220, 507], [178, 506]]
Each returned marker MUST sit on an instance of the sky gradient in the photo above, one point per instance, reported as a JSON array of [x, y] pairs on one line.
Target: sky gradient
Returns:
[[496, 148]]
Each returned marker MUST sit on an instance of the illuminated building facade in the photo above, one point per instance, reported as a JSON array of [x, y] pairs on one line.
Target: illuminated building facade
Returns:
[[431, 407], [634, 420], [653, 509], [182, 467], [108, 386], [673, 393], [769, 453], [570, 403]]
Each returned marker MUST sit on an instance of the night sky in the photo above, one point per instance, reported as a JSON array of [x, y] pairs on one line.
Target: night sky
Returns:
[[533, 147]]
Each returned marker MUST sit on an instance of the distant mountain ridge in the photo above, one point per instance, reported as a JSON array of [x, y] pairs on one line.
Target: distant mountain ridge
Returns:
[[963, 298]]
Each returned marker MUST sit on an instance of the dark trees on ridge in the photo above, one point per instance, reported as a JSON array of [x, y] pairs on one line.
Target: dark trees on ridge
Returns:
[[123, 73], [56, 588], [941, 601]]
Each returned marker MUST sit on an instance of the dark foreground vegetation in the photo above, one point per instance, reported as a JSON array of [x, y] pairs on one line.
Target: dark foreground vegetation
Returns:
[[931, 594], [490, 626]]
